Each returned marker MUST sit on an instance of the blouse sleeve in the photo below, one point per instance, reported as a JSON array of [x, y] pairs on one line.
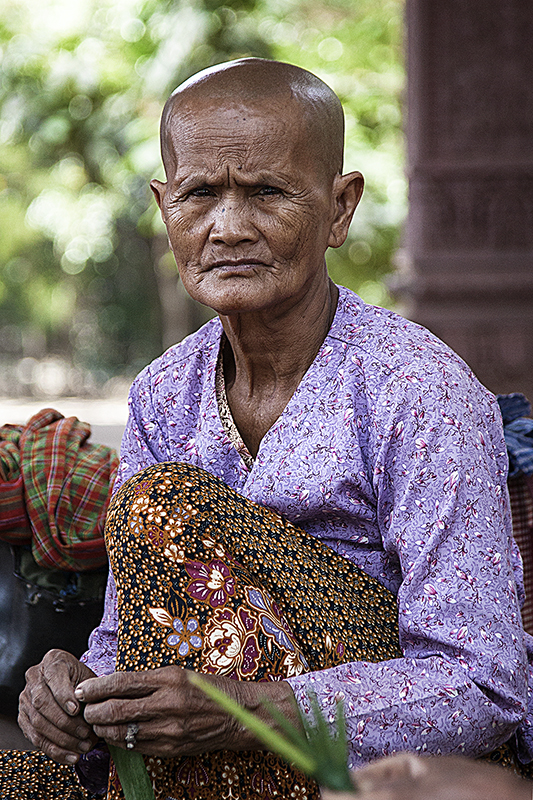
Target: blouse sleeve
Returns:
[[439, 473]]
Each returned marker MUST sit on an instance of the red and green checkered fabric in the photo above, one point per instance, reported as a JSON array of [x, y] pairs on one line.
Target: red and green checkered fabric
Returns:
[[14, 523], [67, 486]]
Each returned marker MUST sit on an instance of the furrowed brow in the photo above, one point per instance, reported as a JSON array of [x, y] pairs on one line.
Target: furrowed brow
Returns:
[[261, 178], [195, 179]]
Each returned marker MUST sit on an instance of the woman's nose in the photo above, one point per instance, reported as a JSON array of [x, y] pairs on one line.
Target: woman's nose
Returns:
[[232, 224]]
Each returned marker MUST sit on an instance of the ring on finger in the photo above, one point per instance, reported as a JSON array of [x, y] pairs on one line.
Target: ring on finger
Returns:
[[131, 733]]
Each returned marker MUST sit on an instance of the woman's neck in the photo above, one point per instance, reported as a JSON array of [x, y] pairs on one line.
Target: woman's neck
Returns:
[[266, 357]]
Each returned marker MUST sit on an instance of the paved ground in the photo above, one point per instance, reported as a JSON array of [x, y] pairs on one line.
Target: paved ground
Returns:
[[107, 419], [11, 737]]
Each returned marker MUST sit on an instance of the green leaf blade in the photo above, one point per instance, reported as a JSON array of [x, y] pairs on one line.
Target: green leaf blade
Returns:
[[273, 740], [322, 756], [132, 774]]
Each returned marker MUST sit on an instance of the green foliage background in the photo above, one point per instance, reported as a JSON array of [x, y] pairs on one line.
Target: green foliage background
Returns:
[[82, 83]]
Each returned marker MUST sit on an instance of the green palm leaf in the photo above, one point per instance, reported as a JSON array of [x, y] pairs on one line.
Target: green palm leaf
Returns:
[[317, 753], [132, 774]]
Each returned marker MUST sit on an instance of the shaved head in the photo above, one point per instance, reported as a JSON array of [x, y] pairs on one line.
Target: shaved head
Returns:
[[270, 85]]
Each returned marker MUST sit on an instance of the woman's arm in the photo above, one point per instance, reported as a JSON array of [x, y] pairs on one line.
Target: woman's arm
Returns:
[[439, 469]]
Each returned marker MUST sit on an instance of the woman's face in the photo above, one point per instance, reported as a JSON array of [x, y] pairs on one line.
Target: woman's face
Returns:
[[247, 206]]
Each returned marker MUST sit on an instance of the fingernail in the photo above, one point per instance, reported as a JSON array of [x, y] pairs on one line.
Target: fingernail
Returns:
[[72, 758], [71, 707], [78, 693], [85, 746]]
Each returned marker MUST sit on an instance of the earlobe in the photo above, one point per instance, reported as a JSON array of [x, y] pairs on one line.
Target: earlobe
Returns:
[[347, 191], [159, 189]]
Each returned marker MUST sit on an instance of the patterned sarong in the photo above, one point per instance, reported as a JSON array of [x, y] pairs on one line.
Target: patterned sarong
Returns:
[[230, 588], [213, 582]]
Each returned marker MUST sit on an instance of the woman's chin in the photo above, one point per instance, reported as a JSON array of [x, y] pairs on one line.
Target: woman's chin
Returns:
[[237, 296]]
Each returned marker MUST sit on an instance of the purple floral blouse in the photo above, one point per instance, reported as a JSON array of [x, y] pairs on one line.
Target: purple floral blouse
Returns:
[[391, 453]]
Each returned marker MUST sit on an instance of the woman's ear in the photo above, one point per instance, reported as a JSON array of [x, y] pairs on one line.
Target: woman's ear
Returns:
[[346, 193], [159, 189]]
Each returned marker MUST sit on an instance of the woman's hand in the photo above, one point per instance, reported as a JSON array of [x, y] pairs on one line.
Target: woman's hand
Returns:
[[174, 717], [50, 715]]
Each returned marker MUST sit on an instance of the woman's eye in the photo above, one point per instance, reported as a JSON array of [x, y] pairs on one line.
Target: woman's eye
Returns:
[[268, 190], [201, 191]]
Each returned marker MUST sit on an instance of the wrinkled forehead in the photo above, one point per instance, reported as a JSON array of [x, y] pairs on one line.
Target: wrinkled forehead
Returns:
[[310, 111], [278, 138], [222, 122]]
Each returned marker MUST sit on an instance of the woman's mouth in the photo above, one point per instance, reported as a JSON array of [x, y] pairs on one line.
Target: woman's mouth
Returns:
[[237, 267]]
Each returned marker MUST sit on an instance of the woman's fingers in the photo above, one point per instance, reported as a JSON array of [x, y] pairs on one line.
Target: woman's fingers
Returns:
[[61, 672], [118, 684], [49, 713], [60, 746], [43, 706], [158, 737], [175, 717]]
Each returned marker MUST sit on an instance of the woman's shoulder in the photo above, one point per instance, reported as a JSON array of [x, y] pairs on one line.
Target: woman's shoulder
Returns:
[[368, 326], [195, 350], [395, 354], [383, 337]]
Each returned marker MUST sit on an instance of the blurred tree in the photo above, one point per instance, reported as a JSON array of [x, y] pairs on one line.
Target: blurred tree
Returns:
[[356, 48], [84, 268]]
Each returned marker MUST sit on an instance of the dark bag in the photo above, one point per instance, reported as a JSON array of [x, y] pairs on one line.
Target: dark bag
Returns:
[[41, 609]]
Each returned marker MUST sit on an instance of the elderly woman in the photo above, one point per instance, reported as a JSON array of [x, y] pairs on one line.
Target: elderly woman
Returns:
[[293, 476]]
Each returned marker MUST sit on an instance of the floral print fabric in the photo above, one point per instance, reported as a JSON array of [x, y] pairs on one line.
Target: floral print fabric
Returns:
[[30, 775], [252, 598], [392, 454]]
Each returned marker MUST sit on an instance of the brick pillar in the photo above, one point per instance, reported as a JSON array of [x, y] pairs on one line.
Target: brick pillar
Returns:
[[468, 275]]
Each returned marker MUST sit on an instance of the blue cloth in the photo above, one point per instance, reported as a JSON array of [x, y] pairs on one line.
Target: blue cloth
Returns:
[[518, 432]]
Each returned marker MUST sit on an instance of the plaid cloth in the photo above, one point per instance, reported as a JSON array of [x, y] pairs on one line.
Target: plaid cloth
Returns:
[[67, 485], [13, 517]]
